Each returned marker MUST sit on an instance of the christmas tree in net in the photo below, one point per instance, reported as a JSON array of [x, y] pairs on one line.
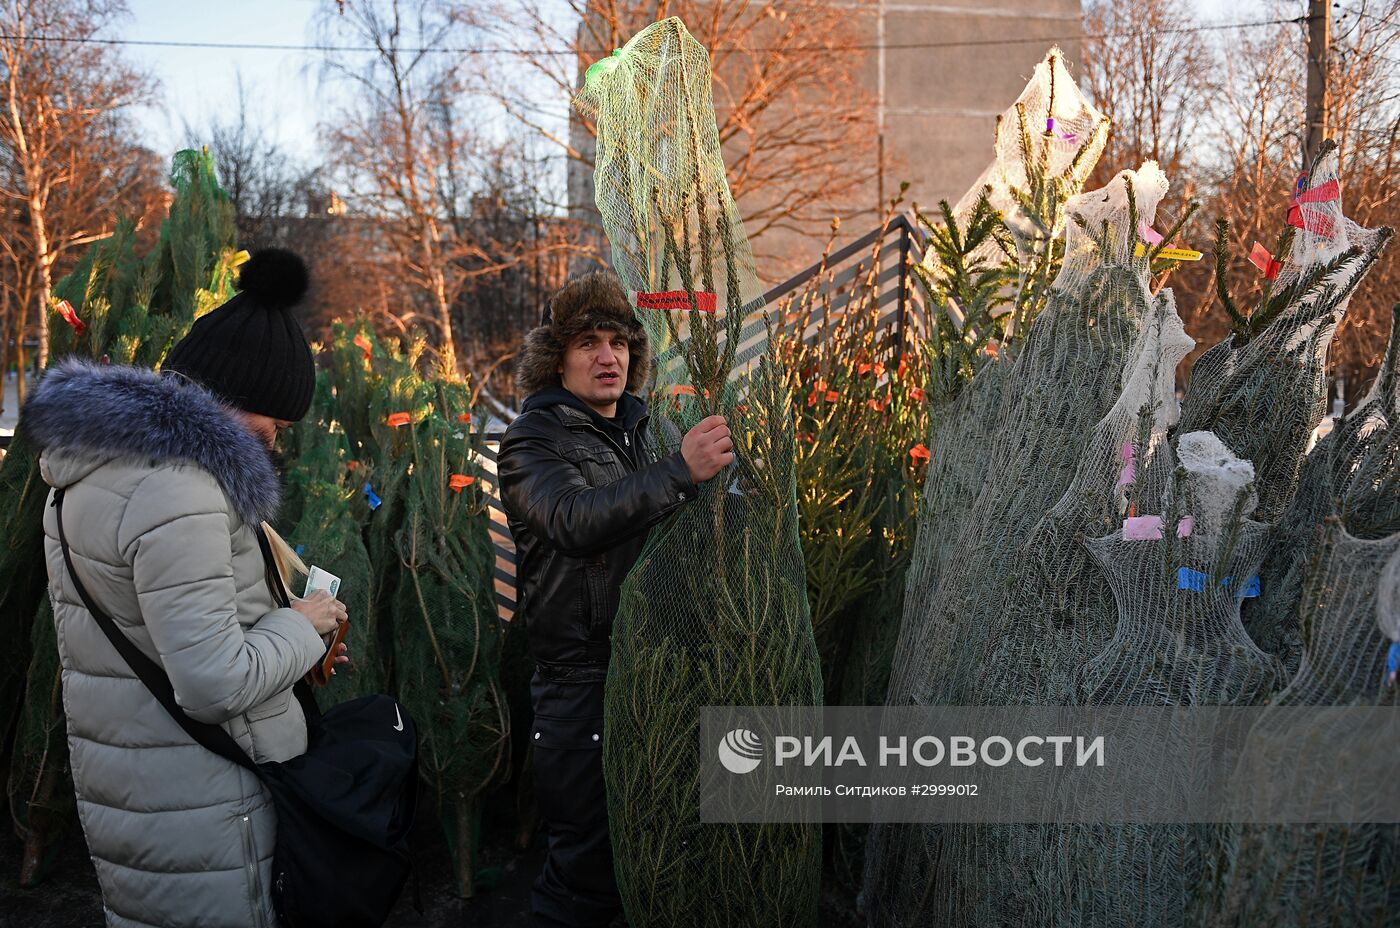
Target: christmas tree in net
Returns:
[[1340, 578], [715, 611]]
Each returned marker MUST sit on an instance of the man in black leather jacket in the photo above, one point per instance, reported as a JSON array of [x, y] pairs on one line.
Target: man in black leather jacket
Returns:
[[581, 491]]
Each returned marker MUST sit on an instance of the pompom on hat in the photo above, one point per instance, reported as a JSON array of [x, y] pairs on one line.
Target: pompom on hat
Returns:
[[251, 351]]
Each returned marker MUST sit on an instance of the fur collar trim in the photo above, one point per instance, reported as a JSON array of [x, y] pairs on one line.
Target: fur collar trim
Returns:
[[88, 408]]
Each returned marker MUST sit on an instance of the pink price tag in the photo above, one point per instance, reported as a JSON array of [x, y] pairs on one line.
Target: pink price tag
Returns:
[[1142, 528], [1129, 472], [1149, 235]]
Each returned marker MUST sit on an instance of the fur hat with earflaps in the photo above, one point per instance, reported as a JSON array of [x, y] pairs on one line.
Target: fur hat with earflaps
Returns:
[[585, 303]]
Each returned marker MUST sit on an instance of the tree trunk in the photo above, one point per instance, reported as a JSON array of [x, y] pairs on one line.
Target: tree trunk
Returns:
[[22, 311], [45, 264], [4, 357], [466, 847]]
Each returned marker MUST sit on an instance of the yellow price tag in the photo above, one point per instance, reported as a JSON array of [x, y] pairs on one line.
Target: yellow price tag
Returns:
[[1170, 254], [1179, 254]]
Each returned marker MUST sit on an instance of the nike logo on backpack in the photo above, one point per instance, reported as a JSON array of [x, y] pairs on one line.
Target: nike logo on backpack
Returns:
[[398, 727]]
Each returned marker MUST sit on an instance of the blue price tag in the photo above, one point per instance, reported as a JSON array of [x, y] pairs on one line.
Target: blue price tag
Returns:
[[1193, 580]]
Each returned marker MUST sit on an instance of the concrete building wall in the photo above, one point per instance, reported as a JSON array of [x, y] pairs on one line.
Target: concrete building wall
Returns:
[[942, 70]]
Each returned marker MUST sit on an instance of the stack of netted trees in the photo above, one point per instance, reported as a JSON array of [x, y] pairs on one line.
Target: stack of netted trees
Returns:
[[1084, 541]]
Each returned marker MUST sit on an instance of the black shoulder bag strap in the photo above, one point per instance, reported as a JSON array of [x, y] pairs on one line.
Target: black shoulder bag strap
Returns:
[[210, 736]]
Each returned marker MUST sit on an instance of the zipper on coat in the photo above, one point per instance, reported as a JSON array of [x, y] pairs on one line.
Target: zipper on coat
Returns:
[[256, 897], [625, 456]]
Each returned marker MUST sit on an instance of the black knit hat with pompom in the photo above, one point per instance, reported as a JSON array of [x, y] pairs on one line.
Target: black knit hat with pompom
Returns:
[[251, 351]]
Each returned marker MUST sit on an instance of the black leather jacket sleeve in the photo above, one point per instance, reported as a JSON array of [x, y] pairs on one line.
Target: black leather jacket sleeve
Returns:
[[545, 490]]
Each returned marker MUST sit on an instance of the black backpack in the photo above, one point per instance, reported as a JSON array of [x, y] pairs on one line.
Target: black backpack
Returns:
[[344, 808]]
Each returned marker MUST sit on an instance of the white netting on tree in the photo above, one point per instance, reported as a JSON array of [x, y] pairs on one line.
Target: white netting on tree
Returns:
[[1046, 146], [1264, 389], [1050, 134], [1010, 430], [1003, 460], [1388, 601], [1335, 577]]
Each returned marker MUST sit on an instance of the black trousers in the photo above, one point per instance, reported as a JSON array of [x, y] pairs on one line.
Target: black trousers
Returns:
[[577, 888]]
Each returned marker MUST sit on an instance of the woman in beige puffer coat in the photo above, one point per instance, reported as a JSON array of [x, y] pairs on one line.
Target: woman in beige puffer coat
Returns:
[[166, 484]]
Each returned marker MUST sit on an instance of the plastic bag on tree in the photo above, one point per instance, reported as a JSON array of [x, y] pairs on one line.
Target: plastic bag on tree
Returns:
[[715, 611]]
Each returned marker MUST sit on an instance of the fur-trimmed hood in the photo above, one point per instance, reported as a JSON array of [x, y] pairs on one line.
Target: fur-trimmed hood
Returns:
[[88, 413], [585, 303]]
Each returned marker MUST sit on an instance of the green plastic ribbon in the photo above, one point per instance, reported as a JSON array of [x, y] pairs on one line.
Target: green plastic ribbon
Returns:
[[597, 69]]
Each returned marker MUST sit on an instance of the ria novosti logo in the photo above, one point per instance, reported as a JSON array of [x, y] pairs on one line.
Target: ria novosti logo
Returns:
[[741, 751]]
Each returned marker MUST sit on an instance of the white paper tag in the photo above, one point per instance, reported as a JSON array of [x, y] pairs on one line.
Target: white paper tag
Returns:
[[319, 579]]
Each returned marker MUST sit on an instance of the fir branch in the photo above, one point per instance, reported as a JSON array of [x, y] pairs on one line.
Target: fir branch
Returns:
[[1238, 323]]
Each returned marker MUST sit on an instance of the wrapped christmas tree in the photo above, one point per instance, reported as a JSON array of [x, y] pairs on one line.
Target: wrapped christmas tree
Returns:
[[1264, 389], [1337, 583], [127, 309], [1004, 550], [715, 611], [987, 275]]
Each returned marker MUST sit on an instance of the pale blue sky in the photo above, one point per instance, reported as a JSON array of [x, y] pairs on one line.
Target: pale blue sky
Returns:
[[197, 83], [286, 94]]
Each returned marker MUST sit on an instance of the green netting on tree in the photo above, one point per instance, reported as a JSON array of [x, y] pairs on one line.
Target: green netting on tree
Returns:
[[447, 635], [662, 191], [326, 534], [715, 611], [132, 309]]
